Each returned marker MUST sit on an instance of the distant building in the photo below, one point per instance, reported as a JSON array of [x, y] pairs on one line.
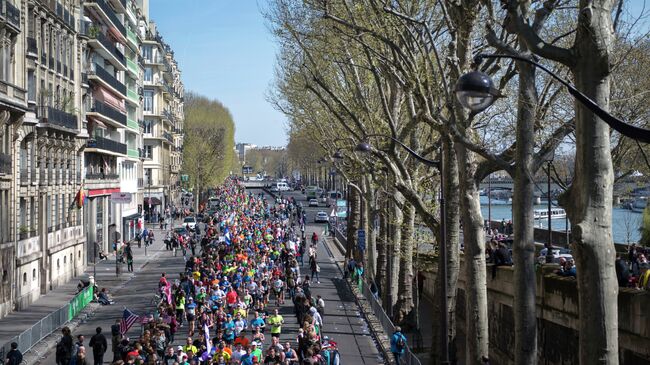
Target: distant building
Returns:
[[241, 149]]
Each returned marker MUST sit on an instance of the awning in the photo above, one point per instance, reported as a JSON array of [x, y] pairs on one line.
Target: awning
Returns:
[[154, 201], [107, 97], [132, 216], [97, 123]]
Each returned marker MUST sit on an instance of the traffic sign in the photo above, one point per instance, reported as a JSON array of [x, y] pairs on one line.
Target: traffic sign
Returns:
[[121, 198], [361, 239]]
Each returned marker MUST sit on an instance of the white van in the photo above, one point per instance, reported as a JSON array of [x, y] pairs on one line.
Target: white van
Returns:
[[280, 186]]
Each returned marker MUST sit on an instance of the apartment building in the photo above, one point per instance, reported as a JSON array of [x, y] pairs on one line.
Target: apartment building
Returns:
[[163, 122], [72, 106]]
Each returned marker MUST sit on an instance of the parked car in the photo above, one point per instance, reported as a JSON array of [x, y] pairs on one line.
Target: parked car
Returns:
[[321, 217], [190, 221], [313, 202]]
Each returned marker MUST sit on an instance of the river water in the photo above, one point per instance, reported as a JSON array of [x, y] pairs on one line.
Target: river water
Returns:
[[625, 223]]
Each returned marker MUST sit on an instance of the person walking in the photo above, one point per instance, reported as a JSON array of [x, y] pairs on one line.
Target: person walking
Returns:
[[64, 347], [14, 356], [99, 345], [315, 269], [129, 256], [397, 344]]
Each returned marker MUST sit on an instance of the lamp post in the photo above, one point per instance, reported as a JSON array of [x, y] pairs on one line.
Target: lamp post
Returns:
[[476, 92], [442, 258], [549, 244]]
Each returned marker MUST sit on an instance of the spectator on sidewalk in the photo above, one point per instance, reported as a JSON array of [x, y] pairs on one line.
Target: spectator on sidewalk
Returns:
[[99, 345], [64, 347], [397, 344], [14, 356]]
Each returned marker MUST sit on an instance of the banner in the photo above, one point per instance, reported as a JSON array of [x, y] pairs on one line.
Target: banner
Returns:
[[79, 302]]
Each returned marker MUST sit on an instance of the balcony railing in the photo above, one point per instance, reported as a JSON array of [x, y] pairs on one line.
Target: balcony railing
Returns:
[[32, 46], [110, 14], [101, 176], [132, 66], [131, 36], [168, 137], [109, 112], [107, 144], [109, 79], [11, 13], [5, 163], [93, 32], [132, 94], [58, 117]]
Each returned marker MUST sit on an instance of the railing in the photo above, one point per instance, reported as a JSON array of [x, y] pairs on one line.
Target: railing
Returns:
[[109, 79], [168, 137], [32, 46], [11, 13], [109, 111], [110, 14], [132, 66], [101, 38], [132, 94], [407, 358], [107, 144], [58, 117], [130, 35], [101, 176], [50, 323], [5, 163]]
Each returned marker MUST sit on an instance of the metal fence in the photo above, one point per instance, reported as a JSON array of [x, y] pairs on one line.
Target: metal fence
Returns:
[[408, 358], [48, 324]]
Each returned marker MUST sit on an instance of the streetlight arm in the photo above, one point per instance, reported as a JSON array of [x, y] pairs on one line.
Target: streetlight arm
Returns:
[[624, 128], [415, 155]]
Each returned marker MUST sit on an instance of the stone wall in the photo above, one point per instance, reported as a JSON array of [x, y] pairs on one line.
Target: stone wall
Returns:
[[557, 313]]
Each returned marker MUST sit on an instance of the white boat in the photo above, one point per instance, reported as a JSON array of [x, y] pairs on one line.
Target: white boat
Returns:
[[542, 214], [638, 205]]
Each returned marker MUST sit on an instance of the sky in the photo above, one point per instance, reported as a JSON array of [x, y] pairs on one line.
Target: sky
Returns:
[[226, 52]]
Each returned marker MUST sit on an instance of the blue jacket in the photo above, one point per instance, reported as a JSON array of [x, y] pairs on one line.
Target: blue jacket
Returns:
[[393, 342]]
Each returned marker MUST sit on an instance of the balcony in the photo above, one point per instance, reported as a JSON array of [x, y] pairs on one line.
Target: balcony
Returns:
[[5, 163], [101, 176], [103, 46], [133, 95], [32, 47], [108, 14], [107, 80], [105, 144], [132, 152], [132, 66], [133, 38], [168, 137], [57, 117], [11, 15], [108, 114], [13, 92]]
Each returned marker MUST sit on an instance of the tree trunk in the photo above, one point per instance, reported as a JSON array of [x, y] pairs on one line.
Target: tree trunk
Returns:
[[371, 218], [589, 203], [453, 260], [382, 256], [354, 223], [476, 318], [405, 296], [523, 221], [395, 242]]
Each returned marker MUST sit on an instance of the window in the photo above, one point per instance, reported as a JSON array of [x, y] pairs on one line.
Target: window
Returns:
[[148, 126], [147, 102], [24, 278], [146, 52], [148, 151], [147, 174], [34, 274], [5, 276], [148, 74]]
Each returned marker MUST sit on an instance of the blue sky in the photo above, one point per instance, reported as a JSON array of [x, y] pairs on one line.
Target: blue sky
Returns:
[[225, 52]]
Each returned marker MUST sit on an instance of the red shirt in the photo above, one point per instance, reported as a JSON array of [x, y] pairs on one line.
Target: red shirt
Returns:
[[231, 297]]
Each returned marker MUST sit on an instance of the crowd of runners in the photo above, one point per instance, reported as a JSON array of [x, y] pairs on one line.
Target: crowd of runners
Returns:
[[240, 270]]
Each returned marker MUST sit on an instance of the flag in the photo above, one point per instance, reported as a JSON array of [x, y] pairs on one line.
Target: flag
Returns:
[[208, 342], [78, 200], [128, 319]]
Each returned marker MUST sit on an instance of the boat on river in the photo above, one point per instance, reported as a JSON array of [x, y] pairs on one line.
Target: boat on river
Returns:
[[542, 214]]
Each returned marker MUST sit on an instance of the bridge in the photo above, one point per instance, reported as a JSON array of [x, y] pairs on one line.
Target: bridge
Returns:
[[254, 184]]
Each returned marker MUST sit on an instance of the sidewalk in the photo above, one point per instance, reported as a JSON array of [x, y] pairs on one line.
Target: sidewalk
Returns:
[[17, 322]]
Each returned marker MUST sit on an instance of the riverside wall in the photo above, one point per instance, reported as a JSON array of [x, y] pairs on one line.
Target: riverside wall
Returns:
[[557, 313]]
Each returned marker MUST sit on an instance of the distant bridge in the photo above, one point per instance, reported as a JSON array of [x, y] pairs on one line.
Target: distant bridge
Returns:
[[254, 184]]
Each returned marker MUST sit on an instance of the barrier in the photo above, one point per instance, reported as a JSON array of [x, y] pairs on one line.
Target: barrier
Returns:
[[50, 323]]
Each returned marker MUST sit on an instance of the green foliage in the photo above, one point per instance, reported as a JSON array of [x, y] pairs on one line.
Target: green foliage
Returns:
[[208, 149], [645, 227]]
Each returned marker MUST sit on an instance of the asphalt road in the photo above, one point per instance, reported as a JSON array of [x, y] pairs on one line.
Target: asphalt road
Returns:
[[343, 322]]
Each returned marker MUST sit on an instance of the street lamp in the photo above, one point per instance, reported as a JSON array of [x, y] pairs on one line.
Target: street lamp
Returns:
[[442, 259], [549, 244], [475, 91]]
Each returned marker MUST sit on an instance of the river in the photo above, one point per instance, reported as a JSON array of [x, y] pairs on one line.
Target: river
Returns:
[[625, 223]]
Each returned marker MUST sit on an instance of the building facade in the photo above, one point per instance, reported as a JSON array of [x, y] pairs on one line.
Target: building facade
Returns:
[[71, 136]]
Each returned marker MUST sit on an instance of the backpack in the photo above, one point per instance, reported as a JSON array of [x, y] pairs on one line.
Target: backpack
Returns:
[[400, 343], [329, 357]]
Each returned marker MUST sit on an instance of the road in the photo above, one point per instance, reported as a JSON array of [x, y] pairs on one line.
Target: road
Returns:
[[343, 322]]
